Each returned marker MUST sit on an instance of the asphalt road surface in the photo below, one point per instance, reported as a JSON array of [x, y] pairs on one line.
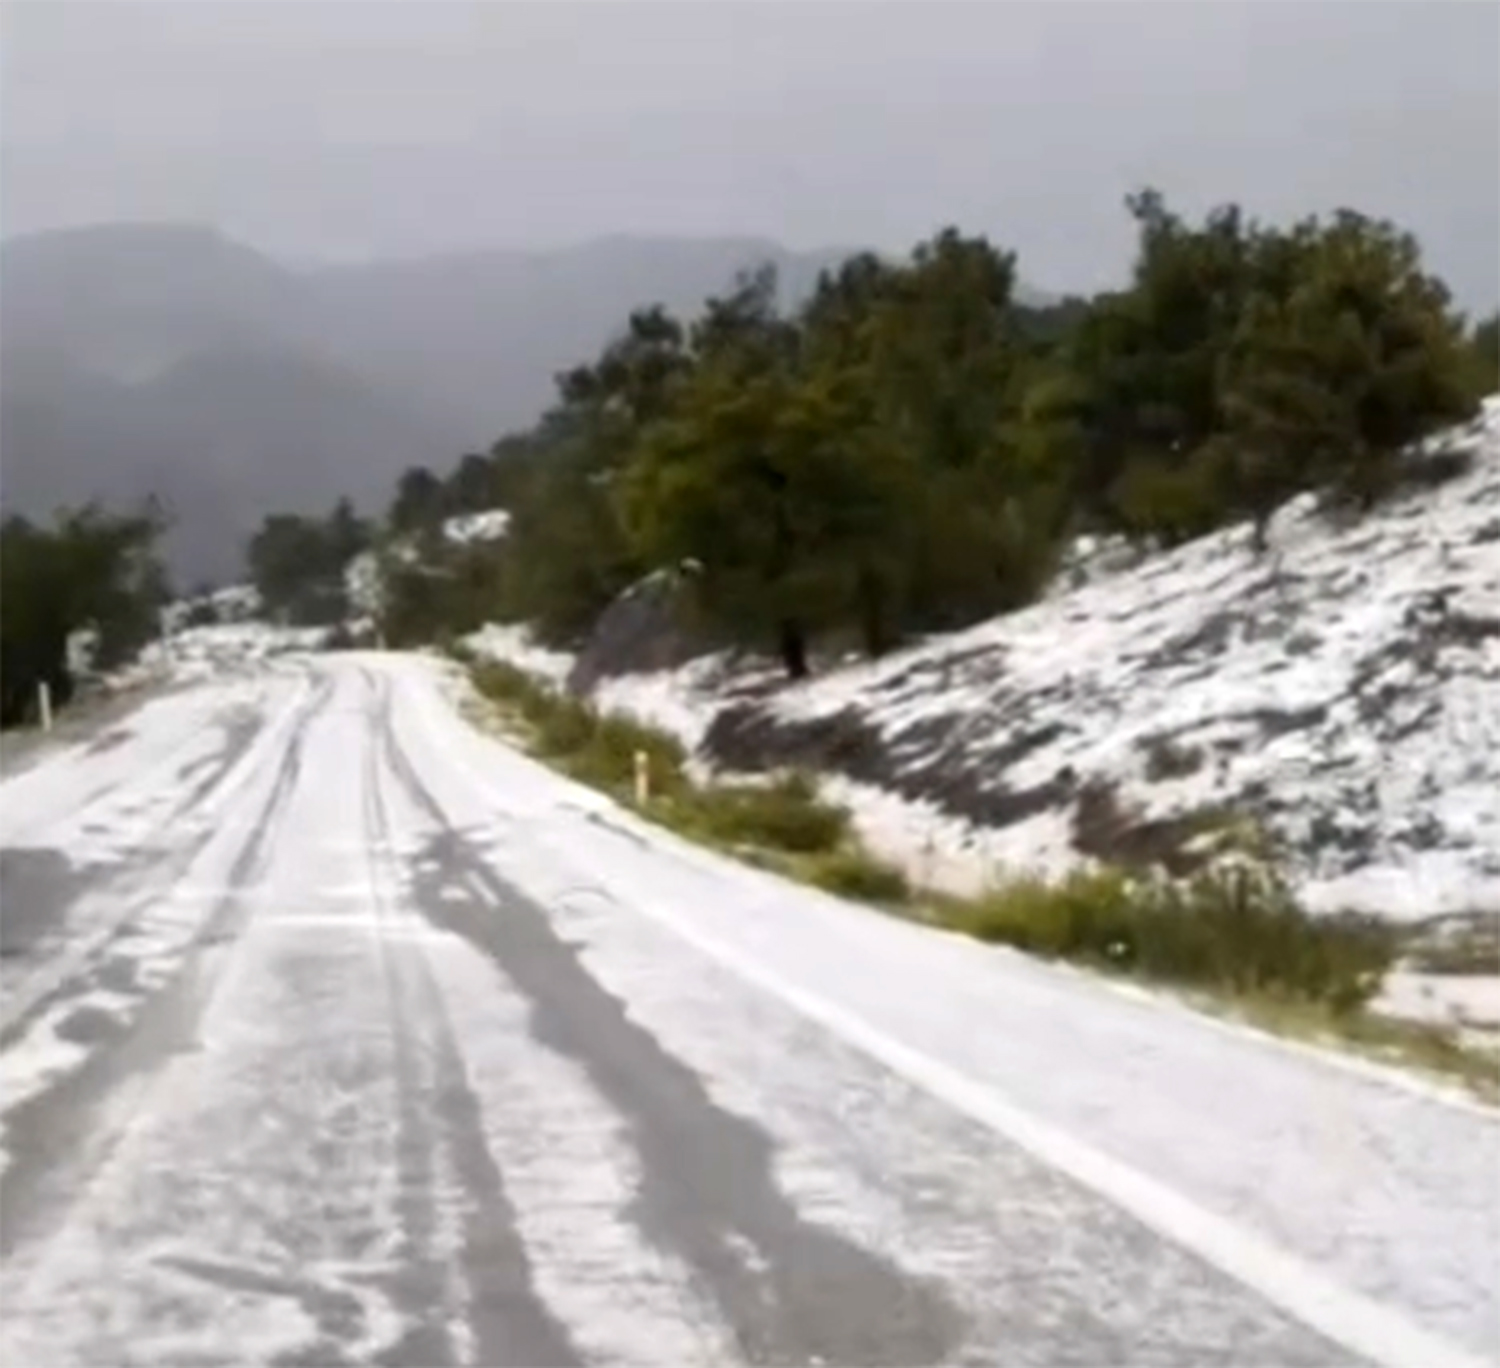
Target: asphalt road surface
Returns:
[[335, 1033]]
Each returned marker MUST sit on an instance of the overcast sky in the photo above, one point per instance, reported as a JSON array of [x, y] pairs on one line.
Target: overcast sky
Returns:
[[353, 129]]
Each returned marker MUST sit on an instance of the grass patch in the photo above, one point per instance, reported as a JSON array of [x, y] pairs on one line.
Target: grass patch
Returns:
[[601, 750], [505, 684], [784, 825], [1423, 1046], [590, 746], [1237, 931], [1241, 947], [787, 815], [851, 872], [607, 759]]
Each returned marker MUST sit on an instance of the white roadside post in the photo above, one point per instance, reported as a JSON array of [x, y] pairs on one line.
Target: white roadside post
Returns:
[[642, 778], [44, 703]]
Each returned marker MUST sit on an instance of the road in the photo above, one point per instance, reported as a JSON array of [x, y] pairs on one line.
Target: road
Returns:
[[334, 1032]]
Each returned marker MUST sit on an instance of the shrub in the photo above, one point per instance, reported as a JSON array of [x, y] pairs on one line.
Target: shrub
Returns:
[[504, 682], [597, 749], [787, 815], [564, 726], [607, 755], [856, 874], [1233, 928], [1173, 503], [1083, 913]]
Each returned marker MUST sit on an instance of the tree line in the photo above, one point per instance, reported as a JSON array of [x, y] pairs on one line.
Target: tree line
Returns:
[[912, 448]]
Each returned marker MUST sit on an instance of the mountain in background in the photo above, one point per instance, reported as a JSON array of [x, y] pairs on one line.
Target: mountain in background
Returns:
[[168, 359], [477, 337]]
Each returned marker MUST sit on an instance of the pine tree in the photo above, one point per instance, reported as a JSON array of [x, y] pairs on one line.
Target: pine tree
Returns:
[[1325, 387]]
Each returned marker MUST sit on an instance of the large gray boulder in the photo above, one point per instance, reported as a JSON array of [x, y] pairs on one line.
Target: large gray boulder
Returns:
[[647, 628]]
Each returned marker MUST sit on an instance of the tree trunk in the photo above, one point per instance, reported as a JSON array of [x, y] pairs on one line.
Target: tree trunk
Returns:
[[1261, 526], [873, 627], [792, 644]]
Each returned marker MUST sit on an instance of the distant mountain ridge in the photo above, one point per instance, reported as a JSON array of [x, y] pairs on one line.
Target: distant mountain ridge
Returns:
[[171, 359], [478, 336]]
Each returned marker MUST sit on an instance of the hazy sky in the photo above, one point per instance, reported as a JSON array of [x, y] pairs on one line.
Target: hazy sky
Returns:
[[353, 128]]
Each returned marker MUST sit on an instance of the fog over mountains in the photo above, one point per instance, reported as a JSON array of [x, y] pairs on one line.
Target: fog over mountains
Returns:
[[412, 138], [172, 360]]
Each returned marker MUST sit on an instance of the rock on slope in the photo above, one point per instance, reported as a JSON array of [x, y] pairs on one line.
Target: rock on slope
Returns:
[[1342, 691]]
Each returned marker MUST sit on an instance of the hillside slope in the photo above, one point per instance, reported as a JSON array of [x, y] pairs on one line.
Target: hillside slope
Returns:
[[1340, 694]]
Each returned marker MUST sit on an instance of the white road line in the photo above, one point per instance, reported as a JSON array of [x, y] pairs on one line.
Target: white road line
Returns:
[[1354, 1321]]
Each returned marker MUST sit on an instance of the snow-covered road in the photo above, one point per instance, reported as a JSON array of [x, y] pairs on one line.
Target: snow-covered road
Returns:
[[335, 1033]]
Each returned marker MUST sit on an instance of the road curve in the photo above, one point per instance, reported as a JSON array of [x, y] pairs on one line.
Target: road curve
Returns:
[[335, 1033]]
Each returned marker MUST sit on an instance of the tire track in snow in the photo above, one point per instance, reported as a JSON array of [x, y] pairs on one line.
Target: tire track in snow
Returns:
[[64, 974], [707, 1192], [440, 1136], [62, 1134], [109, 792]]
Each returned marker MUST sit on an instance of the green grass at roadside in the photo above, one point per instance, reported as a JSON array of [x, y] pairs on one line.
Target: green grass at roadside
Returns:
[[785, 817], [855, 873], [1236, 928], [1234, 938], [1426, 1047]]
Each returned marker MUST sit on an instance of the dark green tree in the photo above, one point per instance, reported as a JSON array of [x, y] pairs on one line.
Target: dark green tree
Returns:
[[781, 490], [473, 486], [911, 448], [1246, 363], [1148, 360], [1485, 349], [297, 564], [420, 501], [1325, 387], [347, 535], [90, 569]]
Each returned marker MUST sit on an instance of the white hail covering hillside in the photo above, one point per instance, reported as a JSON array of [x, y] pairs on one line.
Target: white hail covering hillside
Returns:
[[1344, 689]]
